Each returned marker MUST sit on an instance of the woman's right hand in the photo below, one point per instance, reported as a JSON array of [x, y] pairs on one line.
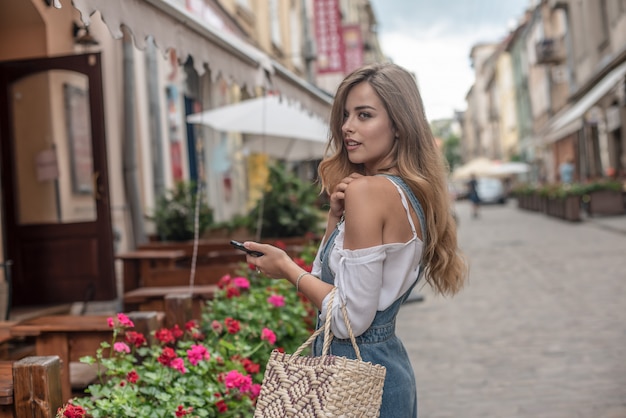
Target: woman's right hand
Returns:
[[337, 197]]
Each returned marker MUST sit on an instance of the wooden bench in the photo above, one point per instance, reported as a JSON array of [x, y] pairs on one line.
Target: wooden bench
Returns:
[[30, 387], [157, 268], [68, 336], [155, 298], [71, 337], [166, 266], [139, 265]]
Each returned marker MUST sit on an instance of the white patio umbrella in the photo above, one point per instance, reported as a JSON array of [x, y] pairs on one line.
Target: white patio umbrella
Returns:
[[272, 126], [478, 167], [508, 169]]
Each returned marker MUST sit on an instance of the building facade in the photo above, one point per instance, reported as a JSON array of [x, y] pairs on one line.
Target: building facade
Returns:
[[93, 122]]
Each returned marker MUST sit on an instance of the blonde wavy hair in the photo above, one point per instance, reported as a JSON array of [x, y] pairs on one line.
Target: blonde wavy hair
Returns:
[[416, 158]]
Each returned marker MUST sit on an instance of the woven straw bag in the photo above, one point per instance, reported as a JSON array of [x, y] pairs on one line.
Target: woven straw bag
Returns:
[[325, 386]]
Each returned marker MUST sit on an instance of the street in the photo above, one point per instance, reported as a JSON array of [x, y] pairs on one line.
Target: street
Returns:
[[540, 328]]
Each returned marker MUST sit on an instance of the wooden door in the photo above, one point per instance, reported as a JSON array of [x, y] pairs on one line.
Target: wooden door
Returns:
[[55, 199]]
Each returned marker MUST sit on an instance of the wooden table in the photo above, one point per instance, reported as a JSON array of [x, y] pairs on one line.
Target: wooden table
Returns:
[[139, 265], [68, 336], [153, 298]]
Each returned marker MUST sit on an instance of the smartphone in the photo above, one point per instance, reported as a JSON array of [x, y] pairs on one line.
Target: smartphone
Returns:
[[240, 246]]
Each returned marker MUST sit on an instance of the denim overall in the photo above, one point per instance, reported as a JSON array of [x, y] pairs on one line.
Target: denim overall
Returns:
[[379, 343]]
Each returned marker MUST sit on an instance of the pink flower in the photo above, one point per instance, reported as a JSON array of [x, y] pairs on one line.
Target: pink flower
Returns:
[[241, 282], [121, 347], [224, 281], [217, 326], [234, 379], [178, 364], [276, 300], [197, 353], [110, 322], [125, 321], [255, 389], [268, 335]]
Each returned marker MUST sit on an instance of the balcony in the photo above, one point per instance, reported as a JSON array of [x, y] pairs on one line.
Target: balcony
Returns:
[[550, 51]]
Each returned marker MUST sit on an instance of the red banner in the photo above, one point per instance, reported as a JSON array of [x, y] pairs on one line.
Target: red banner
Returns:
[[328, 36], [353, 44]]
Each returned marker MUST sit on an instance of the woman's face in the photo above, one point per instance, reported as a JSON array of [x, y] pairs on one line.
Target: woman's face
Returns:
[[368, 133]]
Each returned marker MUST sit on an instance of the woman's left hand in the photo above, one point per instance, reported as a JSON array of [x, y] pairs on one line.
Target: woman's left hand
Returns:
[[273, 263]]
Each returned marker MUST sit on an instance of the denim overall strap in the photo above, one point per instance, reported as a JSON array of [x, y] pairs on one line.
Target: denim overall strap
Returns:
[[421, 217], [328, 245], [414, 202]]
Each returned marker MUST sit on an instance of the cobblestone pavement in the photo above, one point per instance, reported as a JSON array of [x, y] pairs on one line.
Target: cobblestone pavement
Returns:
[[539, 331]]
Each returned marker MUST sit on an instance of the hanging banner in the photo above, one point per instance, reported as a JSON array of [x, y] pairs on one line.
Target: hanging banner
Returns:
[[328, 36], [353, 45]]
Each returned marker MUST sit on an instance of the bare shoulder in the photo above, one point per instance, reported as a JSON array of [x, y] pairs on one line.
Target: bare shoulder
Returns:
[[371, 194], [369, 186]]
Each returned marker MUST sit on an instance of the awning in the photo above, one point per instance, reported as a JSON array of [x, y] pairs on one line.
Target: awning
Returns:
[[271, 126], [172, 26], [570, 120]]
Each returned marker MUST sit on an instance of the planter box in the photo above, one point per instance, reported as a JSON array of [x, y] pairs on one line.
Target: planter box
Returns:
[[567, 208], [606, 202]]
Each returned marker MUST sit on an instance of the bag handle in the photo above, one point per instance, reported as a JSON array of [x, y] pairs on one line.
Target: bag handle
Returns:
[[328, 335]]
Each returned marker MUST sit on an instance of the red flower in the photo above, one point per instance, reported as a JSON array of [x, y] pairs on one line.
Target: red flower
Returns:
[[281, 245], [221, 406], [181, 411], [224, 281], [72, 411], [167, 355], [250, 366], [232, 292], [232, 325], [132, 376], [177, 332], [135, 338], [191, 325], [165, 336]]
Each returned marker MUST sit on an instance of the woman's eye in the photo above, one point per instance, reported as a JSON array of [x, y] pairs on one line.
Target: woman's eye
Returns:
[[364, 115]]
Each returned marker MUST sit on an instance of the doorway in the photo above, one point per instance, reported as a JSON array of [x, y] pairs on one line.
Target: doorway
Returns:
[[55, 197]]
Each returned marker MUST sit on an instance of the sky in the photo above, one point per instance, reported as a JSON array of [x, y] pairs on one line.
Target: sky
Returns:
[[433, 39]]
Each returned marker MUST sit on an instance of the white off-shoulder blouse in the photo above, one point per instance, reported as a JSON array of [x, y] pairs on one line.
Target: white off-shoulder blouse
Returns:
[[369, 279]]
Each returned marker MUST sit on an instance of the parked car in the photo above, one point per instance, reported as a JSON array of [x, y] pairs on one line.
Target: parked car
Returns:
[[491, 190]]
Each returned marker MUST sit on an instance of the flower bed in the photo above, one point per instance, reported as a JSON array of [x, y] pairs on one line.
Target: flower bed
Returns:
[[213, 365]]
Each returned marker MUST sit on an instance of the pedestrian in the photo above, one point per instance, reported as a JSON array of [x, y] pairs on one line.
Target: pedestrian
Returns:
[[389, 221], [472, 195], [566, 171]]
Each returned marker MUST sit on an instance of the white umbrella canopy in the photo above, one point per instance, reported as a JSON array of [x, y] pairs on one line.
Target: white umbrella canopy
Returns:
[[477, 166], [508, 169], [484, 167], [272, 126]]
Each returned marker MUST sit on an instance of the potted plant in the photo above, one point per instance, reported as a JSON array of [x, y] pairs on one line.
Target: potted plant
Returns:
[[212, 366], [175, 211], [604, 197], [288, 208]]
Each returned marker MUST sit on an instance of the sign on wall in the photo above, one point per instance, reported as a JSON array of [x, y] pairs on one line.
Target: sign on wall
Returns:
[[328, 36]]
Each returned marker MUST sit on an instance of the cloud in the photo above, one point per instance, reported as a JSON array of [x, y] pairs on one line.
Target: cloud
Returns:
[[439, 57], [434, 38]]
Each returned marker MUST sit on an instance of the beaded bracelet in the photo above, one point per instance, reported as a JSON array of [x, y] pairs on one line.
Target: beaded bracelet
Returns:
[[298, 280]]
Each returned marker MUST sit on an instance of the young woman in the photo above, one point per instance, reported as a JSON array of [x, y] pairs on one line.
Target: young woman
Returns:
[[389, 222]]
